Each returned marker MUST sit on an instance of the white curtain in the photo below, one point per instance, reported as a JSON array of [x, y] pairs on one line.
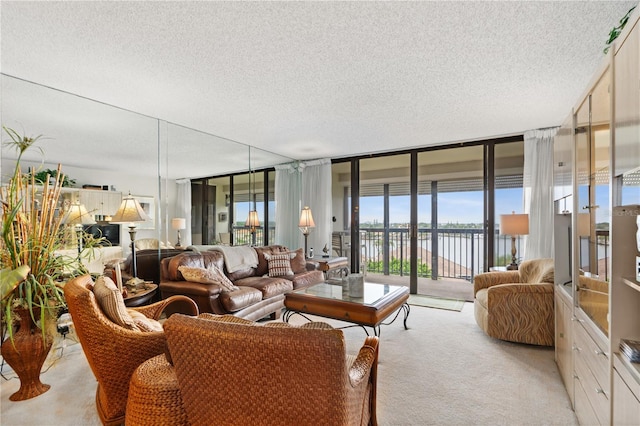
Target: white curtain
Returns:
[[316, 193], [288, 184], [183, 208], [302, 184], [538, 191]]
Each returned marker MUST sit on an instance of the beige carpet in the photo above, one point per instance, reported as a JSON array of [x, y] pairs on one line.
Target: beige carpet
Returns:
[[442, 371], [436, 302]]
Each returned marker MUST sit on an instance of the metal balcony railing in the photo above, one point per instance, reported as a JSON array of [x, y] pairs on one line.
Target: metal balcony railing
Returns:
[[460, 252]]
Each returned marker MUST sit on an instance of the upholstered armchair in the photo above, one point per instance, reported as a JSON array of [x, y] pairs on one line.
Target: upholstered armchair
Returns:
[[114, 352], [517, 306], [231, 371]]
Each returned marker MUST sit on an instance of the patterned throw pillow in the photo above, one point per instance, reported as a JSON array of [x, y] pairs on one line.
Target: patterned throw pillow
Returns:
[[211, 275], [112, 304], [280, 264]]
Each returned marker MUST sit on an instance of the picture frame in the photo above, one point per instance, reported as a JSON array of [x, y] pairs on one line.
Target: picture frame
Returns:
[[148, 204], [222, 217]]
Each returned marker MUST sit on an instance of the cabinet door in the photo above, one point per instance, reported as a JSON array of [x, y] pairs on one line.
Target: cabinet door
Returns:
[[626, 407], [563, 343], [111, 203], [627, 103]]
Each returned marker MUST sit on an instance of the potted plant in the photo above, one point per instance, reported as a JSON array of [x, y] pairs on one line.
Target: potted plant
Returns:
[[32, 294]]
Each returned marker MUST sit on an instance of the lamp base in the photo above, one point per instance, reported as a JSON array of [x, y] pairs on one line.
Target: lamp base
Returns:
[[512, 267]]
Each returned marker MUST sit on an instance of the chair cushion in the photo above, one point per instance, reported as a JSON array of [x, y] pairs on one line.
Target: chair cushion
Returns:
[[280, 264], [536, 271], [111, 302], [210, 275], [143, 322]]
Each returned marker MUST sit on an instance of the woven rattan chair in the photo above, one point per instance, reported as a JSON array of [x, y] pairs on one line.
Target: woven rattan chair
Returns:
[[114, 352], [231, 371]]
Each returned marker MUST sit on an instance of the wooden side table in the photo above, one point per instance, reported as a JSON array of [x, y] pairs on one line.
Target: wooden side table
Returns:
[[141, 296], [332, 265]]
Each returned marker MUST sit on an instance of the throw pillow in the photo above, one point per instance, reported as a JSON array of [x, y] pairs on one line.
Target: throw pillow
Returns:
[[112, 304], [280, 264], [143, 322], [298, 262], [211, 275]]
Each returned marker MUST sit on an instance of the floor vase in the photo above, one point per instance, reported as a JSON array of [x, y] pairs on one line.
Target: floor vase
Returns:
[[26, 354]]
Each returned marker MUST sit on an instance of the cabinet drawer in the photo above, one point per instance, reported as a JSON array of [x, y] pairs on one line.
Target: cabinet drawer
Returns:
[[597, 397], [582, 406], [595, 357]]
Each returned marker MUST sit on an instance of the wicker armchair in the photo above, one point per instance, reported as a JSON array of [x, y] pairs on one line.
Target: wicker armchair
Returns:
[[114, 352], [230, 371], [517, 306]]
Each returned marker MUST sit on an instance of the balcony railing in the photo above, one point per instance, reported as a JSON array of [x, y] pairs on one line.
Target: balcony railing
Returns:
[[459, 253]]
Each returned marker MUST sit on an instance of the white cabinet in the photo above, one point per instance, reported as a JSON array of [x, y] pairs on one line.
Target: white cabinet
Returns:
[[100, 203], [603, 303]]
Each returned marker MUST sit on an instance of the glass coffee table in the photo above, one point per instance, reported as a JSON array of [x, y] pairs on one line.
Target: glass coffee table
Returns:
[[366, 306]]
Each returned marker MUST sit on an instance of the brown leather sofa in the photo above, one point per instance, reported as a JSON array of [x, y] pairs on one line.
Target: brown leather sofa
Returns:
[[257, 296]]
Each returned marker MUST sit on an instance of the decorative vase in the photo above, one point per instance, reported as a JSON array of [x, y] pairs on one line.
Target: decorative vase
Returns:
[[26, 355]]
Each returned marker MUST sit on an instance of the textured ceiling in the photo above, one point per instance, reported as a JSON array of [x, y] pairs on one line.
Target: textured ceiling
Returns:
[[318, 79]]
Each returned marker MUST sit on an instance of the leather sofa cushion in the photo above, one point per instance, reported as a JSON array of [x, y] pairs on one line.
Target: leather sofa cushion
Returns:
[[306, 279], [193, 260], [268, 286], [239, 299]]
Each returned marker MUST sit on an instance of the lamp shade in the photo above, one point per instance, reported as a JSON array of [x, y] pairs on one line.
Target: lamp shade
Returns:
[[252, 219], [130, 211], [306, 218], [78, 215], [514, 224], [178, 223]]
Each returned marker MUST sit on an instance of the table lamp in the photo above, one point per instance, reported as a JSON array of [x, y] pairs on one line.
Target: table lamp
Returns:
[[253, 222], [178, 223], [305, 225], [514, 224], [77, 215], [131, 212]]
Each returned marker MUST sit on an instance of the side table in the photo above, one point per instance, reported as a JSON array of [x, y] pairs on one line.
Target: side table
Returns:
[[140, 296], [332, 265]]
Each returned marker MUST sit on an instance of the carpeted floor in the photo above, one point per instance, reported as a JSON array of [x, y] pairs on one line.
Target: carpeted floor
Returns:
[[442, 371], [436, 302]]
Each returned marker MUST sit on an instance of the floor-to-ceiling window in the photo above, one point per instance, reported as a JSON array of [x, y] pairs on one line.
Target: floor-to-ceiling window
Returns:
[[451, 232], [385, 206]]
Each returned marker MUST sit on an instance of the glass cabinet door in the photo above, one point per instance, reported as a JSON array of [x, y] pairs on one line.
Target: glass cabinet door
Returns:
[[593, 204]]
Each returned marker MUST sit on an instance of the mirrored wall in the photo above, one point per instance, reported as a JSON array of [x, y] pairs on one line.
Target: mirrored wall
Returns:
[[110, 152]]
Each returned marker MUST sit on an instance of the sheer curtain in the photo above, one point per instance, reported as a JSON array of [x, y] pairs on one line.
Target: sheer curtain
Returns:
[[302, 184], [316, 193], [288, 187], [183, 208], [538, 191]]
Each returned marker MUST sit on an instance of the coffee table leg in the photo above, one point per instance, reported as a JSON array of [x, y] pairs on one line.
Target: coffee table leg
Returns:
[[407, 309]]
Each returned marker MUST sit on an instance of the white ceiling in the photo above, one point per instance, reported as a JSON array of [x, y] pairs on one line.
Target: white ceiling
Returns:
[[317, 79]]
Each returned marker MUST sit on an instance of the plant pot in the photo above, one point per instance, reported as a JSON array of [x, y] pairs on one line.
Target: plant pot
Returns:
[[26, 355]]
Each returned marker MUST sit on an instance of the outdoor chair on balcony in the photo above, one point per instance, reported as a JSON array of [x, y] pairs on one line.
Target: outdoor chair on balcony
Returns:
[[517, 306]]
